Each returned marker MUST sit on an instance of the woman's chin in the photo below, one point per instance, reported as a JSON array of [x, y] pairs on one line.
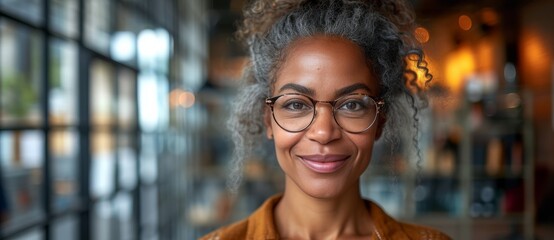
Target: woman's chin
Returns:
[[322, 189]]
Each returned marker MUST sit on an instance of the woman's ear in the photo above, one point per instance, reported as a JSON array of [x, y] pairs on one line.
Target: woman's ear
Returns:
[[381, 120], [267, 123]]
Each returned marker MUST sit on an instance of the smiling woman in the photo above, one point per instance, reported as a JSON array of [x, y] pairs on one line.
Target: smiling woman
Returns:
[[323, 160], [327, 79]]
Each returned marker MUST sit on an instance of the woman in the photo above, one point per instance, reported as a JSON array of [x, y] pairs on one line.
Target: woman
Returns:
[[327, 79]]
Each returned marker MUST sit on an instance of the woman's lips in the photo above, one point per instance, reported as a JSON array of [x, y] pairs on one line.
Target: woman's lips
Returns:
[[324, 163]]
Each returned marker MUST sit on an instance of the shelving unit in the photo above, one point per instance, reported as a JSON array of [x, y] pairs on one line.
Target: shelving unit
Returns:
[[488, 193]]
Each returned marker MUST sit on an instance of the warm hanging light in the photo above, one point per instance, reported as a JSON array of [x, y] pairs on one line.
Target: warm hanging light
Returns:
[[174, 97], [459, 64], [181, 98], [186, 99], [465, 22], [489, 16], [421, 34]]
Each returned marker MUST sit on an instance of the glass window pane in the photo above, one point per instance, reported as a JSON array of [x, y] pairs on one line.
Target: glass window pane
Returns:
[[123, 47], [102, 93], [154, 58], [127, 99], [34, 234], [29, 9], [127, 162], [64, 147], [123, 210], [102, 221], [148, 163], [22, 171], [149, 210], [97, 24], [64, 90], [129, 24], [114, 220], [64, 16], [102, 176], [153, 95], [124, 40], [138, 3], [66, 228], [147, 99], [20, 74]]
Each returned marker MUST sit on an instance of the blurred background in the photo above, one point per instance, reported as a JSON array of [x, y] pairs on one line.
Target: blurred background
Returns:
[[112, 121]]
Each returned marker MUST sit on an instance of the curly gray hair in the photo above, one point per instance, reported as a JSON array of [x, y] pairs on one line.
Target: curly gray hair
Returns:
[[382, 28]]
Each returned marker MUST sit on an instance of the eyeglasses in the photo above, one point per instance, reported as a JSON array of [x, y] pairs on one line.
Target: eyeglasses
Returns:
[[354, 113]]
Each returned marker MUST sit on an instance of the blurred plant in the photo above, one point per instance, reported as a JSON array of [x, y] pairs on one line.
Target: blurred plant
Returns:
[[17, 95], [55, 71]]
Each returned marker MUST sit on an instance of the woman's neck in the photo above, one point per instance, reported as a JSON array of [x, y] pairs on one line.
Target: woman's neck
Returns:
[[300, 216]]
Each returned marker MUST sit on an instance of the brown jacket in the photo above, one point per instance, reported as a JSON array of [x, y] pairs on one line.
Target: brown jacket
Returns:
[[260, 225]]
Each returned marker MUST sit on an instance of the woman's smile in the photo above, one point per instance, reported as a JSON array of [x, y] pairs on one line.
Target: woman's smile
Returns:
[[324, 163]]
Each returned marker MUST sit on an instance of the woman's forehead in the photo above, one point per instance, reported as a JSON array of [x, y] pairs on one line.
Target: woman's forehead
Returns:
[[324, 61]]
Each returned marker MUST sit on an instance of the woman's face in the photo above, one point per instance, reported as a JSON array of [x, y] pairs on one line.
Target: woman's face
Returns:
[[323, 161]]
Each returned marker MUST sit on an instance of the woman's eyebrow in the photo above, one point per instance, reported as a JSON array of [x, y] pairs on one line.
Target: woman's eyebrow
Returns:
[[297, 88], [351, 89]]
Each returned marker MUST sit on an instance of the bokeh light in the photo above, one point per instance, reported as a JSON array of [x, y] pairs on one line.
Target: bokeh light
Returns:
[[465, 22], [421, 34]]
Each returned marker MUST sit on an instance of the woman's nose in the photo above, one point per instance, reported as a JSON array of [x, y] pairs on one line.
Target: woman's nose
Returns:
[[324, 129]]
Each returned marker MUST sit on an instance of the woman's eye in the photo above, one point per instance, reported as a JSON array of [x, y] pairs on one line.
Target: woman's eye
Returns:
[[351, 106], [291, 105]]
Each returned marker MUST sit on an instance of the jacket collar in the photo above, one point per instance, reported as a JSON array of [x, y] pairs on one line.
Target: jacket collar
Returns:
[[261, 224]]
